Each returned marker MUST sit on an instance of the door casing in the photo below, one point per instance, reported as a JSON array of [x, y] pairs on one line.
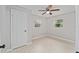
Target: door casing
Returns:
[[16, 36]]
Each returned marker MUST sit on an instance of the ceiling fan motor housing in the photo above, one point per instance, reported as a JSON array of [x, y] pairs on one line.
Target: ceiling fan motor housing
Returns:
[[50, 13], [47, 9]]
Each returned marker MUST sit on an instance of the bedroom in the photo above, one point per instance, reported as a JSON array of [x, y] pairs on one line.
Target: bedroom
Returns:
[[27, 30]]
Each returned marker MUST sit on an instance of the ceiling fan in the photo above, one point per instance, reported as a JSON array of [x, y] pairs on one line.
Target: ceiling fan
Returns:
[[49, 10]]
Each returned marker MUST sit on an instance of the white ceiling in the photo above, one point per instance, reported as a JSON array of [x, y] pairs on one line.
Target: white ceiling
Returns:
[[63, 9]]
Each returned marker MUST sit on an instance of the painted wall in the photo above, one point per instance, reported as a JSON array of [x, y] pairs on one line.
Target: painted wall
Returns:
[[77, 29], [0, 23], [48, 28], [68, 29], [6, 23], [4, 26], [42, 30]]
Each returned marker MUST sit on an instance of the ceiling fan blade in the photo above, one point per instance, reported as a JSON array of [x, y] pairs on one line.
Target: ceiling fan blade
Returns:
[[49, 6], [55, 10], [43, 13], [41, 10]]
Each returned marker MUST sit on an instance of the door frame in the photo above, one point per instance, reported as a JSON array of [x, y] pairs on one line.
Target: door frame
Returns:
[[12, 24], [24, 11]]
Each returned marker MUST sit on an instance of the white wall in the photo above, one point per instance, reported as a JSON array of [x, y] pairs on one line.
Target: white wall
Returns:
[[68, 30], [4, 27], [5, 23], [42, 30], [47, 27], [0, 22], [77, 29]]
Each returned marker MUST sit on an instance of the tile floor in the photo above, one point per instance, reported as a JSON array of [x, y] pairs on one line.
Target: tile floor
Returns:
[[46, 45]]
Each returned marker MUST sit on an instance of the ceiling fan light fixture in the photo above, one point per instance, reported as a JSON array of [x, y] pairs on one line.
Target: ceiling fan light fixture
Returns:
[[47, 12]]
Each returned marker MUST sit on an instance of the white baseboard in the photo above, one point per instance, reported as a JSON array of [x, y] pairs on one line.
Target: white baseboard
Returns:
[[61, 38], [9, 50], [38, 36], [53, 36]]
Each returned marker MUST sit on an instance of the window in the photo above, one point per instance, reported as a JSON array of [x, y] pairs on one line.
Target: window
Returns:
[[59, 23]]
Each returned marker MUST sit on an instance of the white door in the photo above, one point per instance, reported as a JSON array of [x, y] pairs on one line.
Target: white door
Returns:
[[18, 28]]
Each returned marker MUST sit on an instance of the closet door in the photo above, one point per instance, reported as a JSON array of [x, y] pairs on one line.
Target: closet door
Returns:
[[18, 28]]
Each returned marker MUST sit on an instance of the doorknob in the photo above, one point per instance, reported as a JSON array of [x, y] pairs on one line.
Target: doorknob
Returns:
[[25, 31]]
